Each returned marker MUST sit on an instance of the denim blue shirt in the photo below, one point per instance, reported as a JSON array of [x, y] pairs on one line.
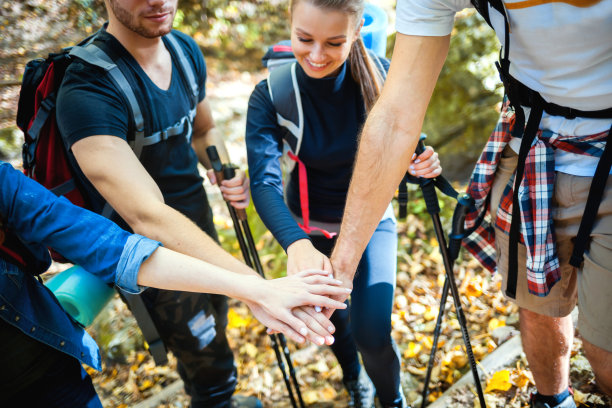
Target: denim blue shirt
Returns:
[[43, 220]]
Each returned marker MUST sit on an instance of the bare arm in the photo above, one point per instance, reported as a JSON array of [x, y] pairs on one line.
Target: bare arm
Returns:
[[390, 133], [235, 190], [271, 301], [113, 169]]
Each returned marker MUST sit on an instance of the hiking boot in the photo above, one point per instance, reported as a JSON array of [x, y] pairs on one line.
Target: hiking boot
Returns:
[[402, 404], [361, 391], [568, 402], [240, 401]]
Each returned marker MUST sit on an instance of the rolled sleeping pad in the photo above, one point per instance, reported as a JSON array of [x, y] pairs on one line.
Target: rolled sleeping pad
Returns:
[[82, 294], [374, 30]]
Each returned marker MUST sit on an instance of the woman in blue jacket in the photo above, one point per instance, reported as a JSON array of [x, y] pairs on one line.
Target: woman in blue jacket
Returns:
[[338, 83], [43, 347]]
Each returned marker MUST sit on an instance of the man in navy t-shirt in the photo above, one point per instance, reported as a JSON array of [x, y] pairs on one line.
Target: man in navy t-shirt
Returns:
[[158, 194]]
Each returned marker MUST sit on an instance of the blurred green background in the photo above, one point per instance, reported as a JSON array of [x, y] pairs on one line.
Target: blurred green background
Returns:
[[233, 36]]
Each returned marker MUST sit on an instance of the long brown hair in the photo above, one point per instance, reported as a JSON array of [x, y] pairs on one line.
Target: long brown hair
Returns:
[[363, 69]]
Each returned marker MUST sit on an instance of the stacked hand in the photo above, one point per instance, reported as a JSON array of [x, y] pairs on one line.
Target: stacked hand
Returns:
[[302, 256], [301, 304], [275, 302]]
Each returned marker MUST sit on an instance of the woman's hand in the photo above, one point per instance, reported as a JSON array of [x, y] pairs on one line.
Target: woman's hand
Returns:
[[302, 256], [235, 190], [272, 302], [426, 164]]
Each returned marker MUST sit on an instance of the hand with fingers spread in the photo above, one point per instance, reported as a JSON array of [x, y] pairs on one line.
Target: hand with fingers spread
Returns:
[[235, 190], [426, 164], [273, 303]]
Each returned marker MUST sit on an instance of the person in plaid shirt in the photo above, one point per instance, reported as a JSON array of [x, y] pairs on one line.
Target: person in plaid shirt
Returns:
[[560, 55]]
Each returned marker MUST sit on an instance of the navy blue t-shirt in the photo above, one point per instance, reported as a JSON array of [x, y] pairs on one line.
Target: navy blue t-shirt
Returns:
[[334, 113], [89, 104]]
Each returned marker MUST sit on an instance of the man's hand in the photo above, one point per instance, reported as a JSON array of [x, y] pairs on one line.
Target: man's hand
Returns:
[[235, 191], [347, 282]]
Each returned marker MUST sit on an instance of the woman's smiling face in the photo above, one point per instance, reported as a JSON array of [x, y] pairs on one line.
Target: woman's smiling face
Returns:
[[321, 38]]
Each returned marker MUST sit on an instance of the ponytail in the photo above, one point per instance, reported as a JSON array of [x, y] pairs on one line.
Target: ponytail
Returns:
[[365, 73]]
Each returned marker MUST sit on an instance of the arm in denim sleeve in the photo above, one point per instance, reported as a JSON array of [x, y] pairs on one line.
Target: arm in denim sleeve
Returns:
[[88, 239], [264, 149]]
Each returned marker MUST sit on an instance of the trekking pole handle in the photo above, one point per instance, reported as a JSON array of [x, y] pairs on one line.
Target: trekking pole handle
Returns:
[[215, 162], [464, 203], [229, 172], [427, 186], [420, 147], [223, 172]]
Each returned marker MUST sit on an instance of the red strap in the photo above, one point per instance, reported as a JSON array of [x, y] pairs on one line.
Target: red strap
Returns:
[[282, 48], [303, 179]]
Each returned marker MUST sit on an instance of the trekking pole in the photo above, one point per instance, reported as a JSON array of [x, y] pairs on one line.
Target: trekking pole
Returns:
[[251, 258], [430, 196], [464, 203]]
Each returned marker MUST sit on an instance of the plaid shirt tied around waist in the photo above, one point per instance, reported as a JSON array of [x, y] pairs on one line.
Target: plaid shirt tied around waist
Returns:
[[535, 199]]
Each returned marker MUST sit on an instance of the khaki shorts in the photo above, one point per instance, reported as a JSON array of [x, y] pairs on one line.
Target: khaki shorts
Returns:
[[590, 286]]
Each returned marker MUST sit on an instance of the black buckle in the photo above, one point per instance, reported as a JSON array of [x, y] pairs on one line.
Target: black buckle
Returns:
[[28, 151]]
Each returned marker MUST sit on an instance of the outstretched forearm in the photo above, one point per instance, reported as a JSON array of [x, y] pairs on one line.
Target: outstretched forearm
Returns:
[[162, 223], [387, 143], [271, 301]]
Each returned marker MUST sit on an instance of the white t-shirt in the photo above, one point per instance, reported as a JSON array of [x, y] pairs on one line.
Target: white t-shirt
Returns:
[[563, 50]]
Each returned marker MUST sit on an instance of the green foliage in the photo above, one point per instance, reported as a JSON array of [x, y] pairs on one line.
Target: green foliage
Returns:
[[9, 142], [86, 13], [464, 106], [236, 31], [271, 254], [463, 111]]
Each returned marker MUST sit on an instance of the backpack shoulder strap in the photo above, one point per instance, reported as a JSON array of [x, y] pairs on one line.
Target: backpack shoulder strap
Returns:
[[185, 68], [482, 7], [285, 94], [94, 55]]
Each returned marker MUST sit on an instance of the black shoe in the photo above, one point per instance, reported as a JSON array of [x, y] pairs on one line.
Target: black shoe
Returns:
[[361, 391], [240, 401], [566, 403], [402, 404]]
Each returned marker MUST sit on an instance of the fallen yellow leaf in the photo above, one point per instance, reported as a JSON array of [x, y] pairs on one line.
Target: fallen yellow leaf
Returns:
[[412, 350], [146, 384], [234, 320], [320, 366], [310, 397], [521, 380], [431, 313], [328, 393], [495, 323], [500, 381], [474, 288]]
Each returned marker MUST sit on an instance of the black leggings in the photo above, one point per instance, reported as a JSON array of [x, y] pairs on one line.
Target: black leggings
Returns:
[[366, 324]]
